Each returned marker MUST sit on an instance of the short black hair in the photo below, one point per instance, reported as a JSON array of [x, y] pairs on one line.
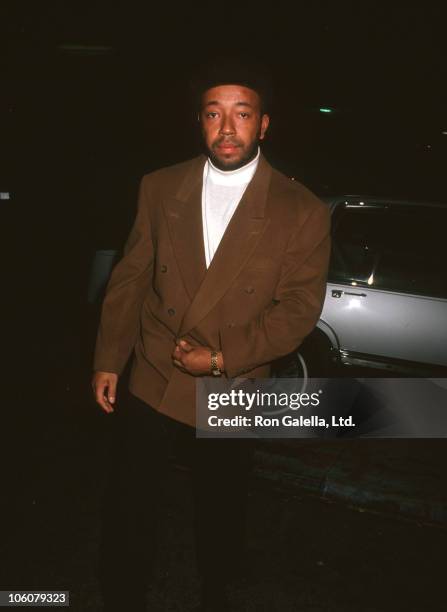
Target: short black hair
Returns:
[[246, 71]]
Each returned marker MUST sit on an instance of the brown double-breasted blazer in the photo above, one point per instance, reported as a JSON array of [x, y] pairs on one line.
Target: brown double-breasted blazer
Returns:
[[260, 297]]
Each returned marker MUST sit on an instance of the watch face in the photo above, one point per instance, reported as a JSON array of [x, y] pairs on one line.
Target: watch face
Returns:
[[216, 372]]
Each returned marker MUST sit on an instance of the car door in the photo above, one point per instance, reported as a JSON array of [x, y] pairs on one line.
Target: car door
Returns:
[[386, 297]]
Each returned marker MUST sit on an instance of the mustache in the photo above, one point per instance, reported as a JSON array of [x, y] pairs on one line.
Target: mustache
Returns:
[[228, 141]]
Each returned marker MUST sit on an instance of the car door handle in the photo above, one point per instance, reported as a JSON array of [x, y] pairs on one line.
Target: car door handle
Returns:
[[337, 293]]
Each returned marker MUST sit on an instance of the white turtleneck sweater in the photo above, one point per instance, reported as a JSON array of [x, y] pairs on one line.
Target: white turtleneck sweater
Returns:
[[221, 193]]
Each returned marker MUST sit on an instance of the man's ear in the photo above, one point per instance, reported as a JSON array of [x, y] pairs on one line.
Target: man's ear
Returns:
[[265, 120]]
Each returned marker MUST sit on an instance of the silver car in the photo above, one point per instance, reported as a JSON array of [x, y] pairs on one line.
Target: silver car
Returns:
[[386, 297]]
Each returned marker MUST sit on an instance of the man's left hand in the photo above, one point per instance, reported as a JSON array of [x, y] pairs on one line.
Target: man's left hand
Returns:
[[195, 360]]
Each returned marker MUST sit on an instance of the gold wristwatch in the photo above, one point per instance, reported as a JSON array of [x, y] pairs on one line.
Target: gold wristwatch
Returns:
[[215, 370]]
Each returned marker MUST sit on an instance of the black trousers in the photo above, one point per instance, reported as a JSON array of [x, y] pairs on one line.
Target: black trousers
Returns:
[[131, 506]]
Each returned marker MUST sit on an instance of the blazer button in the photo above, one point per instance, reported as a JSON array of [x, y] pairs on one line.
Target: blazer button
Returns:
[[164, 268], [249, 290], [171, 312]]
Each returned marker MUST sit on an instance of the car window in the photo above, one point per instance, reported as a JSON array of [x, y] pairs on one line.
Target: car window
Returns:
[[398, 248], [413, 257], [355, 246]]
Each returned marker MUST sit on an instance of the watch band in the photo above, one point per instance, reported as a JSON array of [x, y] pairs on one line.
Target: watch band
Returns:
[[215, 370]]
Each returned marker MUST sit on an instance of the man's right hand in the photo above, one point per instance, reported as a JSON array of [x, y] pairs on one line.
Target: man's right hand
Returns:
[[104, 389]]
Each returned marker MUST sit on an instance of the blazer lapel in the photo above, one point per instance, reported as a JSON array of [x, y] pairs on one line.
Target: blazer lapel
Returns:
[[184, 218], [238, 243]]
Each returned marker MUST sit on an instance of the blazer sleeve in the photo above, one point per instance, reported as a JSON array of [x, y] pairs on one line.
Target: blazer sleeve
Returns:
[[296, 306], [125, 292]]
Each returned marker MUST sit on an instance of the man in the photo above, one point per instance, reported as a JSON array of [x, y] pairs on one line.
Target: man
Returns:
[[223, 272]]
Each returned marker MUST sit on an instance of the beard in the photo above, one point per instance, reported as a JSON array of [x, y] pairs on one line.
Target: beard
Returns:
[[250, 154]]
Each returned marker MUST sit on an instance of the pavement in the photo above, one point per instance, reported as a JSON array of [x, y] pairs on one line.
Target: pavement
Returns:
[[399, 477], [306, 551]]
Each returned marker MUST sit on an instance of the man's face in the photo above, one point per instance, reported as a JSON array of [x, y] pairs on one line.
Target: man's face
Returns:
[[232, 125]]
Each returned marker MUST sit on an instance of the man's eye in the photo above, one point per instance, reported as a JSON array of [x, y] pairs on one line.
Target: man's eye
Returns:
[[244, 115], [211, 115]]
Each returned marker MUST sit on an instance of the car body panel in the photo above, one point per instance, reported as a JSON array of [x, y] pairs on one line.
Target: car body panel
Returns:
[[383, 323], [391, 305]]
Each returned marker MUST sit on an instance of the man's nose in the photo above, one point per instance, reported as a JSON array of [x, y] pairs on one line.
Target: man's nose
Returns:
[[227, 126]]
